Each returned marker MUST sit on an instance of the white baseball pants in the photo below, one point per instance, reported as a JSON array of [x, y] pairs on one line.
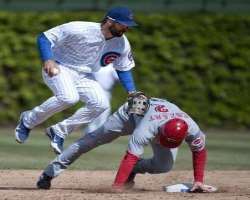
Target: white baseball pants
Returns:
[[69, 87]]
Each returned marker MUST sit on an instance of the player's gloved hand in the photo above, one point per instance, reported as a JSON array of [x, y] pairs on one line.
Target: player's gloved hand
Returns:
[[138, 103], [199, 187], [51, 68], [134, 94]]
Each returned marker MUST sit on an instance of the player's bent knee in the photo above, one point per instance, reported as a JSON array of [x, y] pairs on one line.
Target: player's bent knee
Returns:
[[162, 169]]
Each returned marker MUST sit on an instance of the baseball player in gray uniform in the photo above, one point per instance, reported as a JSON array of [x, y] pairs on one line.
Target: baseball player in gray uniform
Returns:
[[70, 53], [149, 121]]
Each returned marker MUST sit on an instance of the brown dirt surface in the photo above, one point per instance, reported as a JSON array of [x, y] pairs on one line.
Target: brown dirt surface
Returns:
[[96, 185]]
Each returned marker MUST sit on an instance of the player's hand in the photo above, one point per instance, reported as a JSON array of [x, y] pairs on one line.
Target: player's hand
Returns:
[[200, 188], [138, 103], [51, 68]]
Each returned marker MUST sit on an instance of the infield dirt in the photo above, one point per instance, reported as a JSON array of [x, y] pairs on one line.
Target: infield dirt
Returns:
[[88, 185]]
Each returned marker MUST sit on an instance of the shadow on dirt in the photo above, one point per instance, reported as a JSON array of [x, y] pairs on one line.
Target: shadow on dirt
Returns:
[[82, 190]]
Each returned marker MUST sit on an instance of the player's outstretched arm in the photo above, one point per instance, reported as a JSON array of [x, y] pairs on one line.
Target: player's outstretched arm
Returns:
[[199, 154], [127, 80]]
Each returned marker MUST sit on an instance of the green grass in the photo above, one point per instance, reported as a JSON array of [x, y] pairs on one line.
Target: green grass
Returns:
[[226, 151]]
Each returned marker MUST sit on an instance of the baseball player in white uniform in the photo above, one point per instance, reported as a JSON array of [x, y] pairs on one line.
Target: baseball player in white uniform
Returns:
[[152, 121], [106, 77], [71, 53]]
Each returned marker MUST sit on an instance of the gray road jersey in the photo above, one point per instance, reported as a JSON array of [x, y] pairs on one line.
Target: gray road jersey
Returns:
[[160, 112]]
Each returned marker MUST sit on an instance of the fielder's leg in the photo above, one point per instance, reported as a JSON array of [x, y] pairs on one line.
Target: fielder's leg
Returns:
[[95, 103], [100, 120], [64, 89], [116, 125]]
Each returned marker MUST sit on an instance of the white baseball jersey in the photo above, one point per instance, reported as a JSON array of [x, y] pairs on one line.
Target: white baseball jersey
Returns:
[[82, 47], [107, 77], [147, 128]]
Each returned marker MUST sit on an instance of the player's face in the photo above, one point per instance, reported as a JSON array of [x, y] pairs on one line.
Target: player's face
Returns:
[[117, 29]]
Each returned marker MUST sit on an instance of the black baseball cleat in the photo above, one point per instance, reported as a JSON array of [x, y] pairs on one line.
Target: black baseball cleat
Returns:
[[44, 182], [131, 181]]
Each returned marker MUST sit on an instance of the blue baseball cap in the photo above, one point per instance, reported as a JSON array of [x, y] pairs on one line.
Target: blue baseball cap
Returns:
[[121, 15]]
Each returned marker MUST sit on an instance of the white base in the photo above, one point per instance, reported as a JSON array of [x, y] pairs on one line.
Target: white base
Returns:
[[183, 187]]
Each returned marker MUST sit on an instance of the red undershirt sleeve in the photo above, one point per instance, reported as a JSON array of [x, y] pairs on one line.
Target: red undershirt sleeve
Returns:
[[199, 163]]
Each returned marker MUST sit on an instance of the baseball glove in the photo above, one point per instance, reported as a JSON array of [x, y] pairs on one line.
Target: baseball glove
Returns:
[[138, 103]]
